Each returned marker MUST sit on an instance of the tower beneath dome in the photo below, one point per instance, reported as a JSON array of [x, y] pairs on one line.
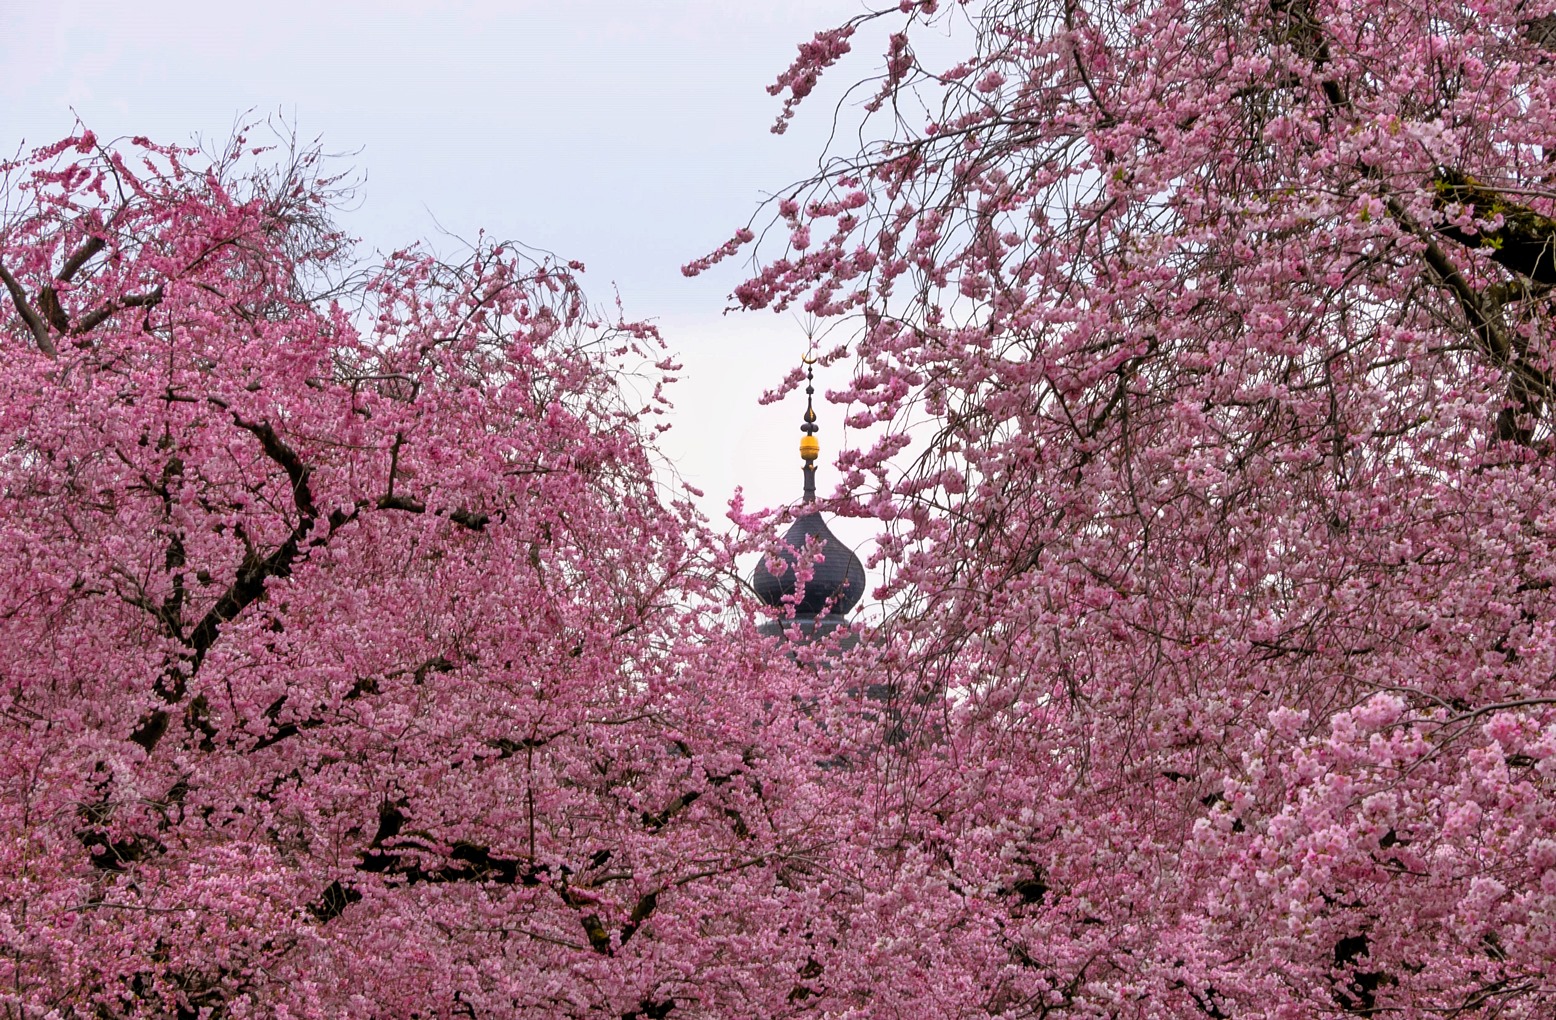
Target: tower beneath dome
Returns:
[[837, 579]]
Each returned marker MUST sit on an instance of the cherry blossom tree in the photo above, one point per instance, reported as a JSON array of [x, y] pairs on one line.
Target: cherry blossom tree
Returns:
[[353, 662], [1208, 348]]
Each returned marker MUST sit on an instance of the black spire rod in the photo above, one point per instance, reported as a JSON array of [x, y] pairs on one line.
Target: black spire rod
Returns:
[[810, 447]]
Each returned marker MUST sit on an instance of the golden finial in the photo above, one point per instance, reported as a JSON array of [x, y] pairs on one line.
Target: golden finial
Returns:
[[810, 446]]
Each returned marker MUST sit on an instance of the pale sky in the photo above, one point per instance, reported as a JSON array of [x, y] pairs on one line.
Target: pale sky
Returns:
[[629, 134]]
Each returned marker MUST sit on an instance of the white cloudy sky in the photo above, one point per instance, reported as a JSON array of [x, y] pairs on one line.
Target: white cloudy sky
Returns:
[[629, 134]]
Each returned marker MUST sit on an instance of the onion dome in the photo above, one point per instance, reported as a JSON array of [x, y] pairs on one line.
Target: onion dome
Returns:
[[837, 581]]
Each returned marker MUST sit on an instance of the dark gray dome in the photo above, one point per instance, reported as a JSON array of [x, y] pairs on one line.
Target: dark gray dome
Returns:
[[838, 579]]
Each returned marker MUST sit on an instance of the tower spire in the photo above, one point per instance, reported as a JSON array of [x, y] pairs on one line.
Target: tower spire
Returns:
[[836, 577], [810, 446]]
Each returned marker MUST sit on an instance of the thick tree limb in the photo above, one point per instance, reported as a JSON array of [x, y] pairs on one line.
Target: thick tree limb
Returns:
[[1481, 318], [82, 255], [93, 319], [276, 449], [35, 323], [50, 308], [1529, 387], [246, 587], [468, 862], [1524, 244], [464, 518]]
